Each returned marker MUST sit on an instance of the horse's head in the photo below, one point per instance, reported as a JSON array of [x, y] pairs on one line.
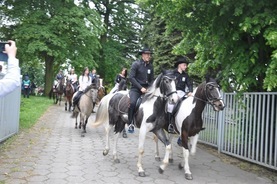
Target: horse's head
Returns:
[[91, 91], [68, 82], [213, 94], [167, 84], [101, 92]]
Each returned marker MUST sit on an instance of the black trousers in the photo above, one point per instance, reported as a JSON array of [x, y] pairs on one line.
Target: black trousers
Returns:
[[77, 98], [134, 95]]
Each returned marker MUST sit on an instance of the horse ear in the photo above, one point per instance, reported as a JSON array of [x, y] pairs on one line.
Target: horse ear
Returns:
[[207, 77], [163, 71]]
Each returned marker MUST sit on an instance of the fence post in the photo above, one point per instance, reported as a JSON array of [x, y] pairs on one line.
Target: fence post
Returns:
[[220, 126]]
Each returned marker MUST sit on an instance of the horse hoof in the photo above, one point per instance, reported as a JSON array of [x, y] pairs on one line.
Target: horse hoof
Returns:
[[142, 174], [158, 159], [124, 135], [188, 176], [161, 171], [170, 160], [180, 166], [75, 127], [117, 161], [82, 135], [105, 152]]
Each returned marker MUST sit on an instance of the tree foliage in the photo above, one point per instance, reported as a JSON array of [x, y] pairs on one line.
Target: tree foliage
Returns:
[[53, 33], [234, 40], [122, 20]]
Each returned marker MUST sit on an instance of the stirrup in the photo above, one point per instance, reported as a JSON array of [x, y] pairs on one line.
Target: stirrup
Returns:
[[131, 128], [124, 134], [171, 129], [179, 142]]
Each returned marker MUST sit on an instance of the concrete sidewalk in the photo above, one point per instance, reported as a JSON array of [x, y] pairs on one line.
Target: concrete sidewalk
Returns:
[[54, 152]]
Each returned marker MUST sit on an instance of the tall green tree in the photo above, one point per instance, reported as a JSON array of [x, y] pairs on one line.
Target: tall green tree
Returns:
[[122, 20], [53, 32], [235, 40]]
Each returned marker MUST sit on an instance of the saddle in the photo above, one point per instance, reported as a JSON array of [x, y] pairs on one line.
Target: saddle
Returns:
[[124, 103]]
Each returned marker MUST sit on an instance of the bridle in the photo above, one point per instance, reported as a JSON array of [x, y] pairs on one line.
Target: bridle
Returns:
[[166, 96], [209, 99]]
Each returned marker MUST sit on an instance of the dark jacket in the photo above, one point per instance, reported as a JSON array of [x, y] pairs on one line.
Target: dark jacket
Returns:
[[95, 80], [183, 81], [118, 78], [141, 74]]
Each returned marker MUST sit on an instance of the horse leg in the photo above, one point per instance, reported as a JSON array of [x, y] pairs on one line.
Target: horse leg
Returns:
[[162, 136], [142, 135], [107, 145], [115, 157], [60, 99], [193, 141], [157, 153], [70, 105], [171, 152], [65, 104], [185, 163], [84, 125], [76, 120], [57, 98]]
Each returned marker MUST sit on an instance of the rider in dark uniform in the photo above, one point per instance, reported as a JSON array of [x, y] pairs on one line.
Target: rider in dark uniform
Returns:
[[184, 85], [141, 76]]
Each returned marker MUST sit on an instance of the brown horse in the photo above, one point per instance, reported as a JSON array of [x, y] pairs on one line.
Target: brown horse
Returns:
[[57, 92], [101, 93], [69, 91]]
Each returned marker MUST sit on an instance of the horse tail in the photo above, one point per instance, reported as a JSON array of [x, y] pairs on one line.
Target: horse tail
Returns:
[[102, 114]]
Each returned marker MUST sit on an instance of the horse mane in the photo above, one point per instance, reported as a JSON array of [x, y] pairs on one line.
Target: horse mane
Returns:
[[200, 90], [156, 84], [88, 88], [152, 89]]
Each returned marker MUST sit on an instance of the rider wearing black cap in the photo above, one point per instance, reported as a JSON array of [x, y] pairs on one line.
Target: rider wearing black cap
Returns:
[[141, 76]]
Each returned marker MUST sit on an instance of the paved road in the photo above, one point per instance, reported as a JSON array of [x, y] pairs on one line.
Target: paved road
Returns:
[[54, 152]]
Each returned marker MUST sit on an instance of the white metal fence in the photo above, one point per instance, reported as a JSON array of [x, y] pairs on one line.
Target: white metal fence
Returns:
[[246, 128], [9, 114]]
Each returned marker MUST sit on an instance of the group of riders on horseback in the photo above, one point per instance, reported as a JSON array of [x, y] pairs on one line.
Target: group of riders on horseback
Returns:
[[78, 86], [141, 77]]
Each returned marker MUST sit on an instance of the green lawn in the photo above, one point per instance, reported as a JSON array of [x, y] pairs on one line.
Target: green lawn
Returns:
[[31, 109]]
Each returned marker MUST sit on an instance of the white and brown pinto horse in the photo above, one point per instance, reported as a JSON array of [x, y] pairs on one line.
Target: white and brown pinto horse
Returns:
[[188, 119], [113, 110]]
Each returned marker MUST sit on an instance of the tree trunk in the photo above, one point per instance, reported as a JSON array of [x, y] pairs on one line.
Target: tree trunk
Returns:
[[49, 73]]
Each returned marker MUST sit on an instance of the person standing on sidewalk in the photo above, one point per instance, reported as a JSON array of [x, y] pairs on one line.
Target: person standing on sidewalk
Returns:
[[141, 77], [12, 78]]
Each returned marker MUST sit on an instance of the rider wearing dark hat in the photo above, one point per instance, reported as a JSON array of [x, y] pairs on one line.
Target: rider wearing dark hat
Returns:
[[183, 83], [141, 76]]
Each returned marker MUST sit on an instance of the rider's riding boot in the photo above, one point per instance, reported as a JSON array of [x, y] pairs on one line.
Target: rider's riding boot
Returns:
[[93, 107], [130, 120], [75, 102], [171, 129]]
